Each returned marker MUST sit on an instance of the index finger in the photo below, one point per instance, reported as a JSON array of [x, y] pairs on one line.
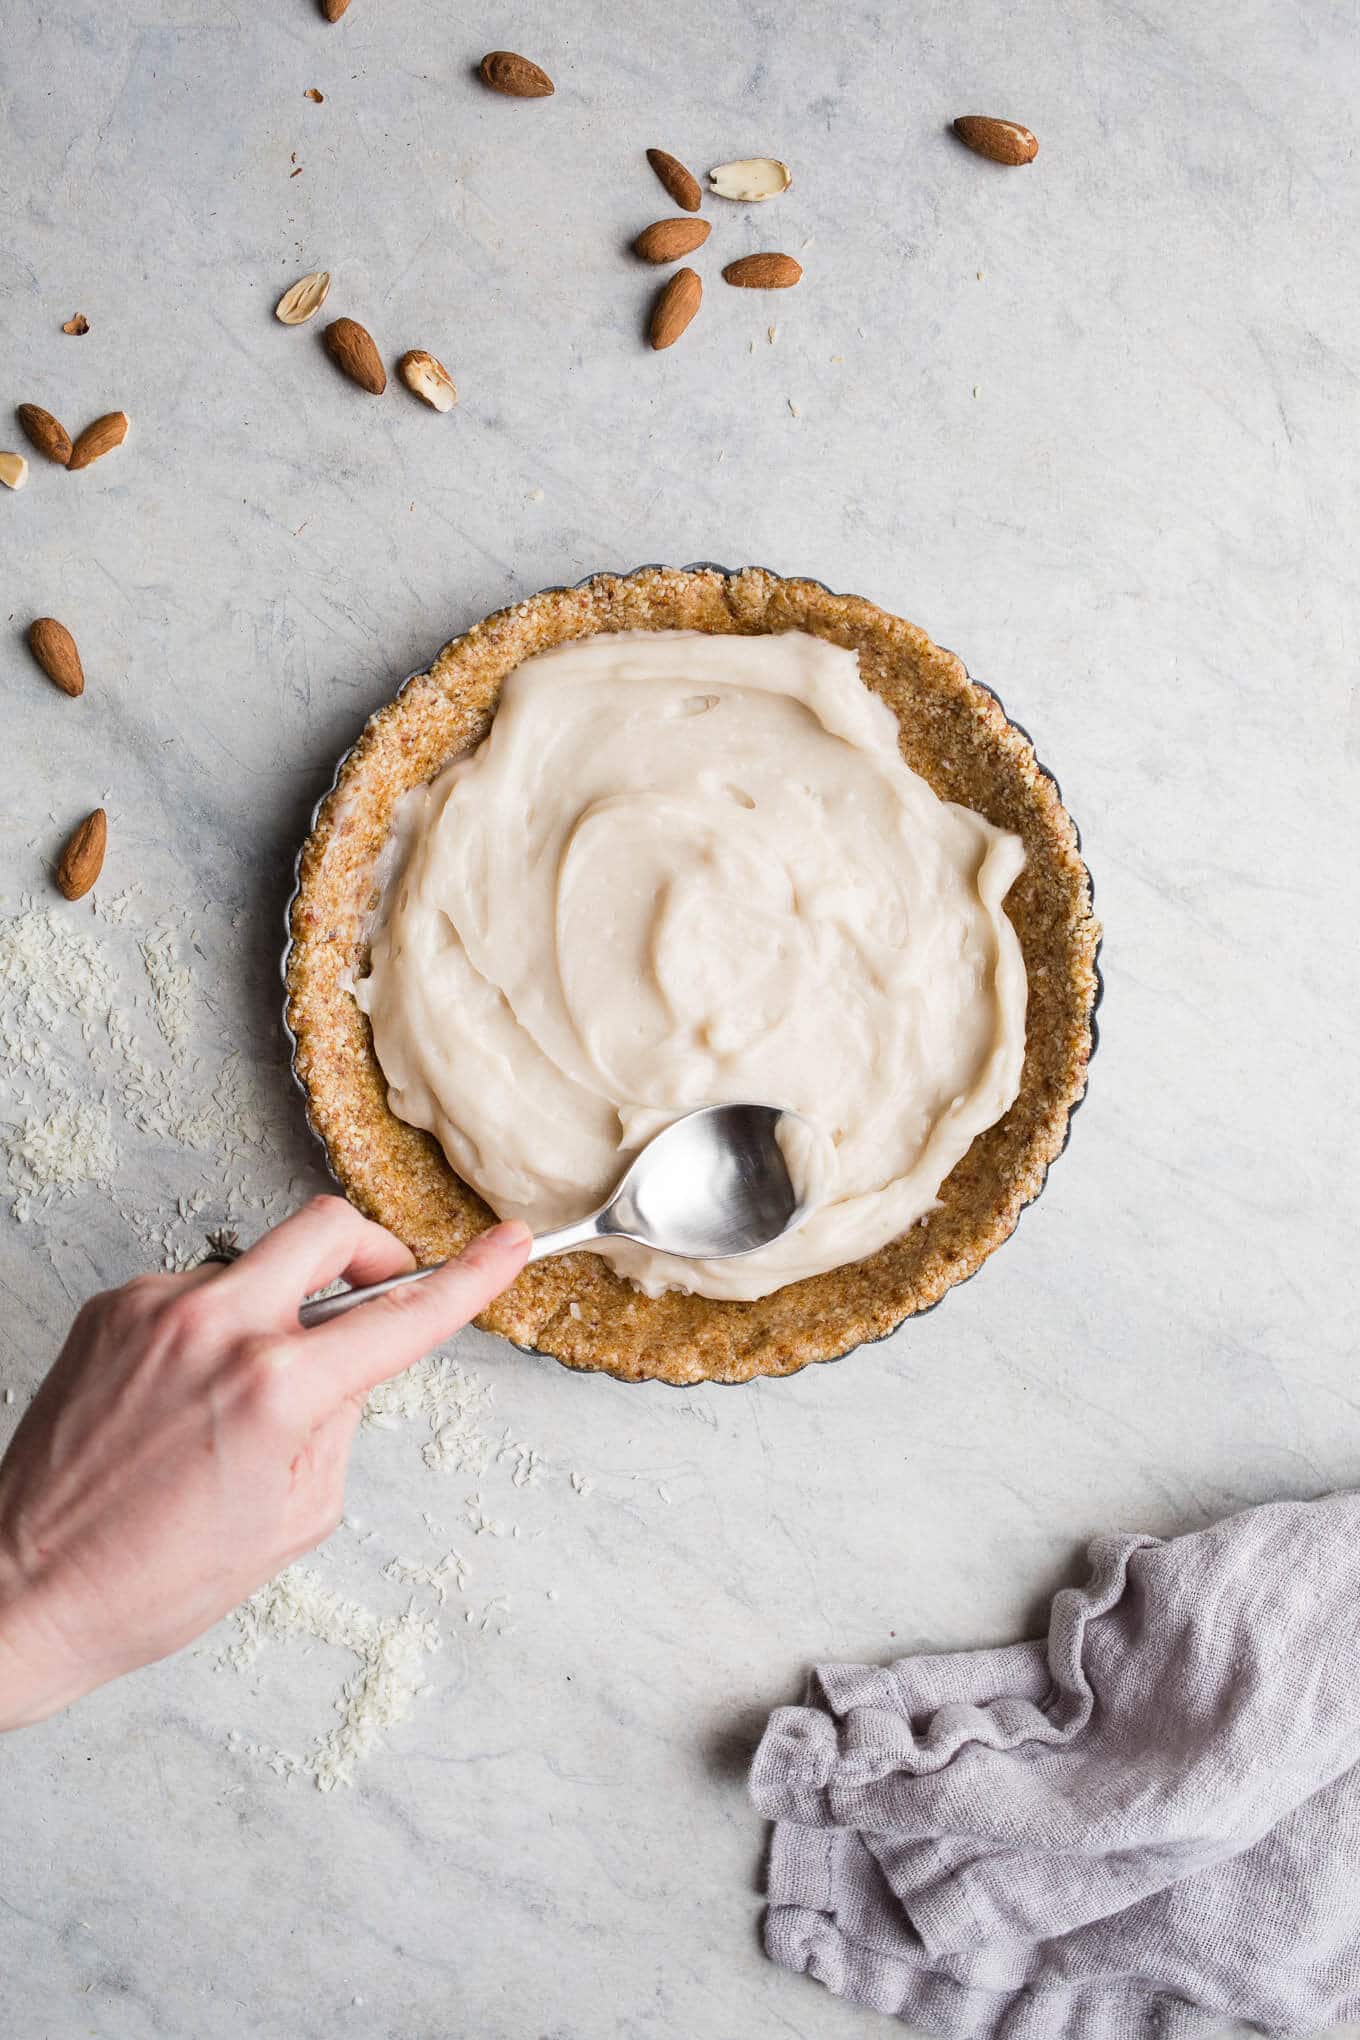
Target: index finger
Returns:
[[326, 1238], [374, 1341]]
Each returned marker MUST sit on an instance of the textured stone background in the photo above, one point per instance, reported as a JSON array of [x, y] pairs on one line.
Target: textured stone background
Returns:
[[1116, 471]]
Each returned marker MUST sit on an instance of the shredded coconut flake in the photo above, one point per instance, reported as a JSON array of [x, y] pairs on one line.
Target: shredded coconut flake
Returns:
[[450, 1400], [451, 1571], [380, 1694], [482, 1524], [527, 1462]]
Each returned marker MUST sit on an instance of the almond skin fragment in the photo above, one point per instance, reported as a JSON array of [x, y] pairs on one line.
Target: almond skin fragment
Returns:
[[675, 307], [515, 76], [98, 439], [353, 352], [1000, 141], [678, 183], [82, 860], [54, 649], [668, 240], [427, 378], [13, 470], [45, 432], [753, 179], [78, 324], [764, 272], [304, 298]]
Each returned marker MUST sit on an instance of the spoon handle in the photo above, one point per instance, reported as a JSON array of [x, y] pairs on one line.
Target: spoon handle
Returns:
[[566, 1237], [322, 1309]]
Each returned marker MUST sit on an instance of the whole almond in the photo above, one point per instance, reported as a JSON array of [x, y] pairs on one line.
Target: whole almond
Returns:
[[1000, 141], [333, 9], [428, 379], [13, 470], [679, 183], [302, 300], [43, 431], [764, 272], [98, 439], [54, 649], [82, 860], [675, 307], [668, 240], [505, 72], [353, 352]]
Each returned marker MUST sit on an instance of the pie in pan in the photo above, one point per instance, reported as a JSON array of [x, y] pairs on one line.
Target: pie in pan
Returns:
[[953, 732]]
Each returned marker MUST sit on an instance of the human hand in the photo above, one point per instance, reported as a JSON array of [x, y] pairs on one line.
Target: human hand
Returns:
[[192, 1439]]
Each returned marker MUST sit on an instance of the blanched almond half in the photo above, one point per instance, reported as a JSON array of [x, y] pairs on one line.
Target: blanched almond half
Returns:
[[304, 299], [13, 470], [754, 178], [427, 379]]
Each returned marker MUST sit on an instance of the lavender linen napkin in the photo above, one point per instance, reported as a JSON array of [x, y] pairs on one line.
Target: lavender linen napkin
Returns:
[[1149, 1823]]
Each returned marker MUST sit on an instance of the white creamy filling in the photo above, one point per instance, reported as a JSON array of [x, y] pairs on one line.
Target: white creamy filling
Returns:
[[685, 870]]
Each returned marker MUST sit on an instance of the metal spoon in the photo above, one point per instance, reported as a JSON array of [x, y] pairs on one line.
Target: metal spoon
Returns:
[[708, 1187]]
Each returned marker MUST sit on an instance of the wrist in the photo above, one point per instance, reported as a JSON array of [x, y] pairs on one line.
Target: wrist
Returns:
[[37, 1676]]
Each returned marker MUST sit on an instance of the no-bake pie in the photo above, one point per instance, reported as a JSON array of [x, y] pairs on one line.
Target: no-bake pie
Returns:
[[667, 839]]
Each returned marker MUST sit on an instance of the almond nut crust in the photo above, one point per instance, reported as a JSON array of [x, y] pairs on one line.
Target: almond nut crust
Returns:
[[574, 1308]]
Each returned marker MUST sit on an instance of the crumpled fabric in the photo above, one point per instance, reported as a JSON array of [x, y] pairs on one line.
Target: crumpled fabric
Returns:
[[1147, 1823]]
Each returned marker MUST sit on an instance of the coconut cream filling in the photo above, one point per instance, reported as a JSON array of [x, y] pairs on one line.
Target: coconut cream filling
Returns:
[[686, 869]]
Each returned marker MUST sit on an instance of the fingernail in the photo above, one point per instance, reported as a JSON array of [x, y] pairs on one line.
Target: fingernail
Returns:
[[514, 1233]]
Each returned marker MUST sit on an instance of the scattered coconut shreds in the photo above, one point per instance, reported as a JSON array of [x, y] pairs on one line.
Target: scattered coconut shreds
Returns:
[[527, 1462], [451, 1571], [171, 988], [450, 1400], [86, 1034], [482, 1524], [116, 909], [381, 1693], [55, 1152]]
